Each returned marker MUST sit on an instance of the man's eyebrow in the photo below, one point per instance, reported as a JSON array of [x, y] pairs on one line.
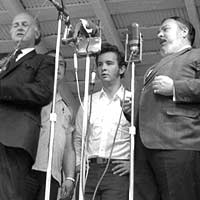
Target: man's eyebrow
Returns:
[[15, 22], [164, 26], [23, 22]]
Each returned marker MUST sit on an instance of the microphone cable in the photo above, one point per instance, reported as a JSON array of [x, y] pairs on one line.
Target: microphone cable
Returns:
[[92, 83], [129, 61], [77, 80], [88, 122]]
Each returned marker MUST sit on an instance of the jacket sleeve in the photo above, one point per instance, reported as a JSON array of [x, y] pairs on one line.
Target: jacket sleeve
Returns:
[[36, 91], [187, 90]]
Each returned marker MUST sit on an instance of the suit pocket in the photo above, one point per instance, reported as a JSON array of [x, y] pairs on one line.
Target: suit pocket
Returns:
[[196, 68], [25, 73], [197, 64], [182, 112], [29, 66]]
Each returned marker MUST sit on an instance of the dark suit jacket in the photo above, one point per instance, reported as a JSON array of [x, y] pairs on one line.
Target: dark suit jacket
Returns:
[[24, 88], [168, 124]]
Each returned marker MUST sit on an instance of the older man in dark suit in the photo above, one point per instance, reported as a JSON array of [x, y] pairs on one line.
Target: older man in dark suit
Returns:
[[26, 84], [167, 159]]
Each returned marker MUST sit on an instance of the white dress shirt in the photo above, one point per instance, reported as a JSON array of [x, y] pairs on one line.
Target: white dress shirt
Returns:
[[24, 52], [104, 119]]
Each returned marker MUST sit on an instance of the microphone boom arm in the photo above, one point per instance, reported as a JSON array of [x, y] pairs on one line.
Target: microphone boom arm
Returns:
[[60, 8]]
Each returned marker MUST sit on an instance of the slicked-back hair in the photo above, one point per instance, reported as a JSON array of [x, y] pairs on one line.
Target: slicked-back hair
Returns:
[[184, 22], [107, 47]]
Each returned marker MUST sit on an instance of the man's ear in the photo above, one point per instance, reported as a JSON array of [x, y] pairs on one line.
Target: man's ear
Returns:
[[122, 69], [185, 32], [37, 33]]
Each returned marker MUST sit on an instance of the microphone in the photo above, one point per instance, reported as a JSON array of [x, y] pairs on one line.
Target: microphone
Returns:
[[60, 8], [89, 27], [134, 43], [68, 35]]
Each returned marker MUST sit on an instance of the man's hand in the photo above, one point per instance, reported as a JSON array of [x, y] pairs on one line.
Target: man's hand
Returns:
[[67, 190], [127, 108], [122, 167], [163, 85]]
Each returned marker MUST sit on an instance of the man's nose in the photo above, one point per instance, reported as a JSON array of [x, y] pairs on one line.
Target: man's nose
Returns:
[[20, 28], [160, 34], [104, 66]]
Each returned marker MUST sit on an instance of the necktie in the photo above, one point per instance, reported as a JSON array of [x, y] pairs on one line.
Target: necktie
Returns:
[[12, 59], [14, 56], [9, 60]]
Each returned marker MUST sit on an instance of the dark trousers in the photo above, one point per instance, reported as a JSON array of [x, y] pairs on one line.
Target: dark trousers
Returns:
[[166, 174], [40, 177], [112, 186], [15, 182]]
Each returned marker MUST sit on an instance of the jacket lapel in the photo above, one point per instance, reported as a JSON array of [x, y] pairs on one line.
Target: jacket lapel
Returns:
[[153, 71], [17, 63]]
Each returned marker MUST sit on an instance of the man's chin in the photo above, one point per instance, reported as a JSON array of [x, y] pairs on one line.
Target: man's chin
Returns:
[[17, 41], [20, 43], [105, 79], [163, 50]]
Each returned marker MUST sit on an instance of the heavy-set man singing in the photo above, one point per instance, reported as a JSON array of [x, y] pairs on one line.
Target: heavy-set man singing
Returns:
[[167, 159]]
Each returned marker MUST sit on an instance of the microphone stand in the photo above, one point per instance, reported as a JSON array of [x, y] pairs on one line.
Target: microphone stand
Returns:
[[53, 115], [132, 136], [134, 57], [84, 131], [85, 46]]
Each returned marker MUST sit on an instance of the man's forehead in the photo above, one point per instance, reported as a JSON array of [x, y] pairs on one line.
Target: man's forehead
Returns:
[[108, 56], [169, 22], [23, 17]]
